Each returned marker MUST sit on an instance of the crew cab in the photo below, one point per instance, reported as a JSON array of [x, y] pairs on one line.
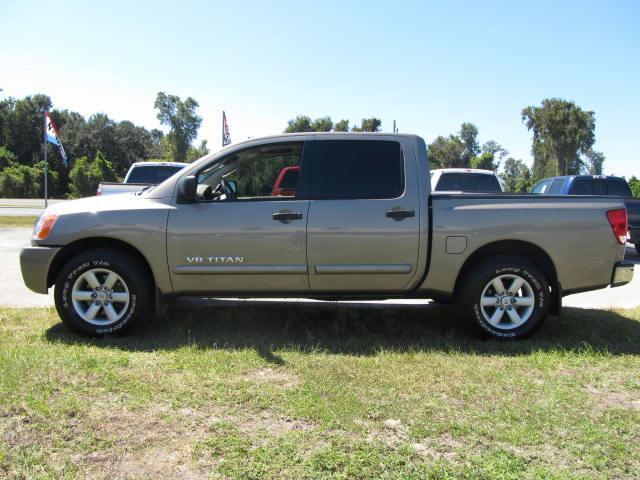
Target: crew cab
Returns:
[[360, 223], [597, 185], [141, 175], [465, 180]]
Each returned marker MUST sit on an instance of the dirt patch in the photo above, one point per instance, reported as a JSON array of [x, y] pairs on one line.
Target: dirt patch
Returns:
[[160, 442], [271, 425], [607, 399], [393, 433], [272, 376]]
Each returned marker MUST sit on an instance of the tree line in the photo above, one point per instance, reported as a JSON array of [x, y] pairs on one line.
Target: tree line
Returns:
[[563, 140], [98, 148], [102, 149]]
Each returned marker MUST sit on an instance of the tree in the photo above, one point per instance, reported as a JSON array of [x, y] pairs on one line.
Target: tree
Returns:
[[561, 132], [494, 148], [469, 137], [516, 176], [86, 175], [634, 183], [301, 123], [447, 152], [195, 153], [341, 126], [7, 158], [323, 124], [180, 116], [23, 130], [372, 124], [486, 161], [20, 181], [594, 163]]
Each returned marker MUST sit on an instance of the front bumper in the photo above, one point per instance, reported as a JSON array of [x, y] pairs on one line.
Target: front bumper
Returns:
[[622, 274], [35, 263]]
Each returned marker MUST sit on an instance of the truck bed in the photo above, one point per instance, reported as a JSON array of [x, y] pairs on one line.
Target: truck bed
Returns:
[[569, 229]]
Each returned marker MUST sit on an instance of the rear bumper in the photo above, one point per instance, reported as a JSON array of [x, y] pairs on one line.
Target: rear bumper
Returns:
[[622, 274], [35, 263]]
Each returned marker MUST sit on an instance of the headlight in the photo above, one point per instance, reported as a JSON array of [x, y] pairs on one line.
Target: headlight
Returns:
[[43, 226]]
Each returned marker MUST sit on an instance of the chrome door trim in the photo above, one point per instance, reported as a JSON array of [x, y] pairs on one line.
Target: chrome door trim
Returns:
[[365, 268], [238, 269]]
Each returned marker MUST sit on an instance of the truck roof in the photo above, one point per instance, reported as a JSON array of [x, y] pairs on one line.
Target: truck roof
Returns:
[[285, 136], [463, 170], [582, 176], [158, 164]]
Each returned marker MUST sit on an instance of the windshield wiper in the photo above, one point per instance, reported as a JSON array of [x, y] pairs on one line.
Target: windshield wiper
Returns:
[[145, 189]]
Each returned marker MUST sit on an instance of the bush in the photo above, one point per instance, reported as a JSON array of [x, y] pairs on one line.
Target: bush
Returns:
[[634, 183], [86, 175], [20, 181], [7, 158]]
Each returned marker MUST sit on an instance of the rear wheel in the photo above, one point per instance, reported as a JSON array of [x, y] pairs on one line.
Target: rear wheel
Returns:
[[505, 297], [102, 291]]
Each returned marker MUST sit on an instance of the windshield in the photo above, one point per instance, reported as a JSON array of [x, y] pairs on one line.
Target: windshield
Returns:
[[153, 174]]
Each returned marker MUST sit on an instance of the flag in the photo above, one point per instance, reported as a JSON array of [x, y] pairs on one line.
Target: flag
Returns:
[[226, 136], [51, 136]]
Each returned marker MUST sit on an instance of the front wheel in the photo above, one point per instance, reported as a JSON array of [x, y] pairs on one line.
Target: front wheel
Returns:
[[505, 297], [102, 291]]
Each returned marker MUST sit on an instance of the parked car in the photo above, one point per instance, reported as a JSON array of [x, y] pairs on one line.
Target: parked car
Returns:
[[140, 176], [597, 185], [362, 224], [465, 180]]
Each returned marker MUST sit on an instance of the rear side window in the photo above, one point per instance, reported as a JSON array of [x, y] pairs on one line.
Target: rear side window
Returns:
[[618, 187], [468, 182], [588, 186], [152, 174], [357, 169], [582, 186], [555, 187]]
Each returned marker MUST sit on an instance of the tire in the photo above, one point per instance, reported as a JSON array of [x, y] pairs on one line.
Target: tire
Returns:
[[102, 292], [514, 313]]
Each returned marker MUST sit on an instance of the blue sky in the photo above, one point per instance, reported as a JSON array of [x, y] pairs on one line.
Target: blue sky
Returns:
[[428, 65]]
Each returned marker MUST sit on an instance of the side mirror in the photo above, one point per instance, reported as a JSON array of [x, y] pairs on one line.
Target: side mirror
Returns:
[[188, 187]]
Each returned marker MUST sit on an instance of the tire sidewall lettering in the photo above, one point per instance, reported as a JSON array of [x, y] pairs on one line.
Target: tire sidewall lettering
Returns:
[[71, 278], [539, 294]]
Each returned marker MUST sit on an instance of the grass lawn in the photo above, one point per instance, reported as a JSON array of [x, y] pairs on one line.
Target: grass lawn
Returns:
[[17, 221], [319, 391]]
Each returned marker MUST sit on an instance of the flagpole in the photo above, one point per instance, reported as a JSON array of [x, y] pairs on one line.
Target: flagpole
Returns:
[[46, 168]]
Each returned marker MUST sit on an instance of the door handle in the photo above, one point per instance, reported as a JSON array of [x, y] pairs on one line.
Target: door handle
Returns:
[[400, 214], [287, 216]]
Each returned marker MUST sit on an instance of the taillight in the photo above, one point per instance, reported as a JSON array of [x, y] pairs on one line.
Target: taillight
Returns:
[[618, 220]]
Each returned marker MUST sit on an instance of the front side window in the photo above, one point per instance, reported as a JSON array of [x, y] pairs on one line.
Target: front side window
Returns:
[[556, 187], [357, 169], [268, 172], [542, 187]]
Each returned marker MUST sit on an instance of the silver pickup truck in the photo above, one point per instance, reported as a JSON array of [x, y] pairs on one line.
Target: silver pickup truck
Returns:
[[140, 176], [353, 219]]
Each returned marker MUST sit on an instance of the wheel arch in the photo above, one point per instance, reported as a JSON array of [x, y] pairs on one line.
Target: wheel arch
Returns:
[[528, 251], [79, 246]]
